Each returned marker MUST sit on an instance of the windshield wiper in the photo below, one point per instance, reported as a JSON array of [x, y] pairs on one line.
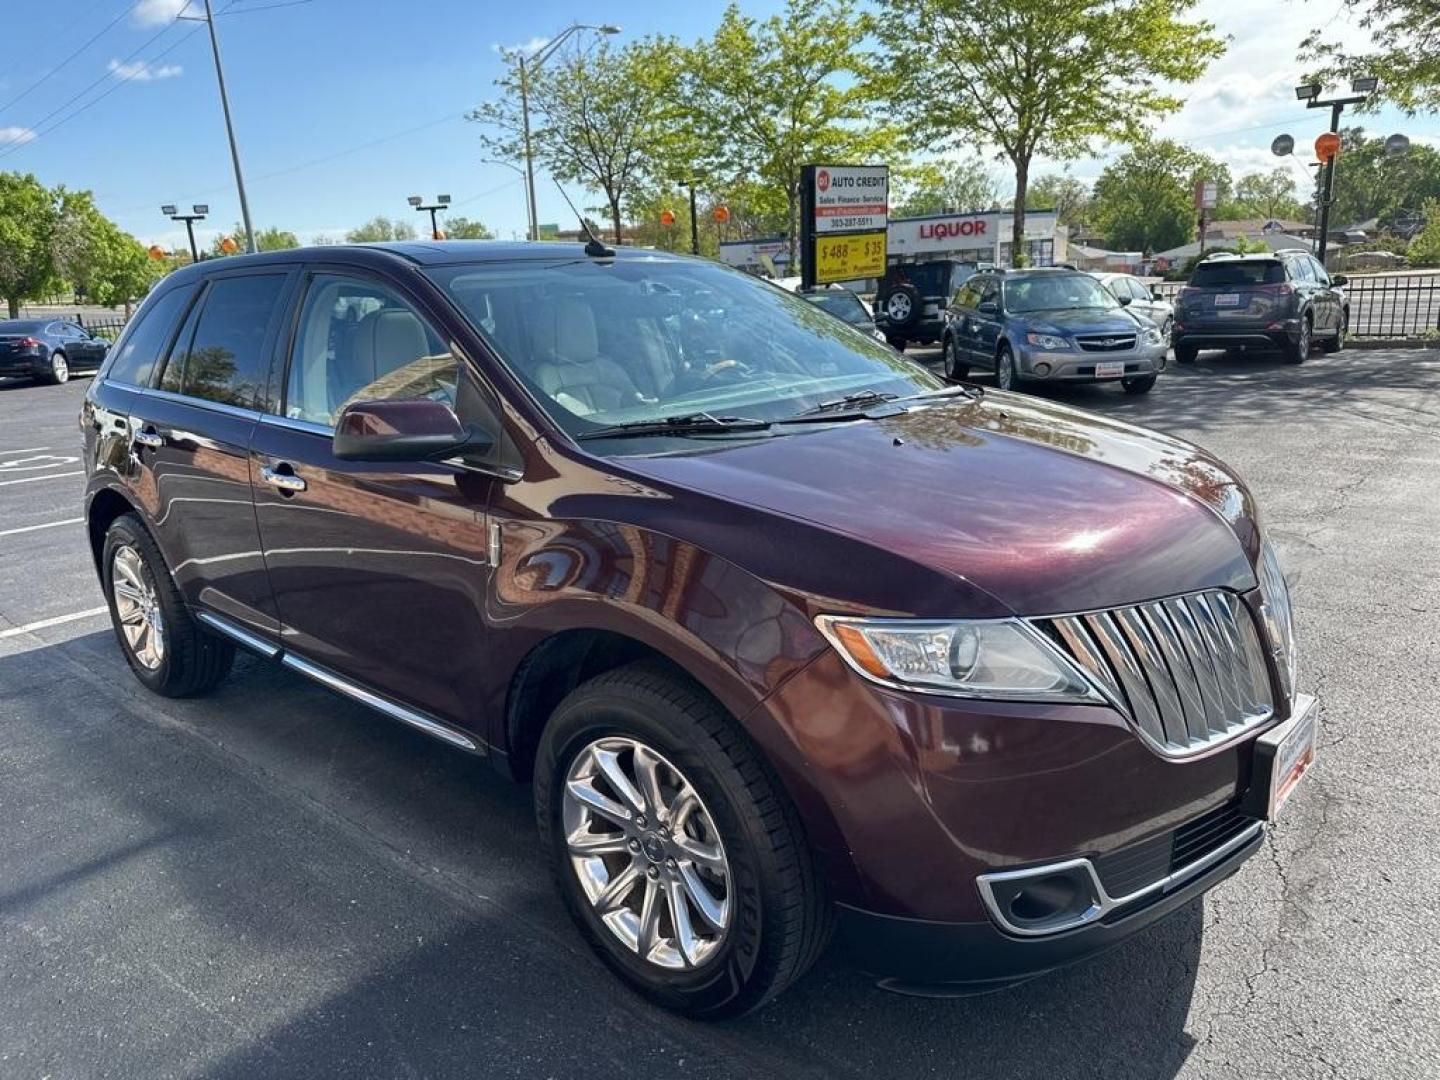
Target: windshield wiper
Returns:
[[687, 424], [969, 390], [859, 401]]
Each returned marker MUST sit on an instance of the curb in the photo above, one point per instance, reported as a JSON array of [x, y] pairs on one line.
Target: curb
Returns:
[[1392, 343]]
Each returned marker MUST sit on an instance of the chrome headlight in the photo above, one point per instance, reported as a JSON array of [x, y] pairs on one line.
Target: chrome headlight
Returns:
[[1004, 659], [1051, 342], [1278, 616]]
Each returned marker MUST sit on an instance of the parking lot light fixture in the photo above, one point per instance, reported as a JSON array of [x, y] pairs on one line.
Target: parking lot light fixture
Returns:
[[1308, 92], [440, 203], [199, 212], [1366, 84]]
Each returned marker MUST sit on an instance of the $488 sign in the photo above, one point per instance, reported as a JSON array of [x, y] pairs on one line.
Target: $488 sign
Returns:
[[845, 258]]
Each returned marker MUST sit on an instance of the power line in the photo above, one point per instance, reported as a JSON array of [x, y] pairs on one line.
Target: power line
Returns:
[[61, 65]]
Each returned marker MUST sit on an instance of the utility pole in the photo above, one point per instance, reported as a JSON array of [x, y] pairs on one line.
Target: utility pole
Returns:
[[229, 127], [694, 221]]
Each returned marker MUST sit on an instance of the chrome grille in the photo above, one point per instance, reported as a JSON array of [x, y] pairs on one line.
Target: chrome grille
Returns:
[[1188, 672], [1105, 342]]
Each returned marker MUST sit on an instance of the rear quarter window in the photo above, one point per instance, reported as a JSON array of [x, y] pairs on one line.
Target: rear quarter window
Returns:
[[1218, 274], [226, 361], [146, 338]]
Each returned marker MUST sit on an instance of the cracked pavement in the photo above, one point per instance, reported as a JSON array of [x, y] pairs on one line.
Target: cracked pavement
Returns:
[[276, 882]]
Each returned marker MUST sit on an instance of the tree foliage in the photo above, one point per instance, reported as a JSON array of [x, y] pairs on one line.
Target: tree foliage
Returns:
[[1407, 60], [1051, 77], [762, 99], [1272, 194], [28, 220], [1425, 246], [1068, 196], [935, 187], [1370, 183], [1145, 199], [381, 228], [463, 228]]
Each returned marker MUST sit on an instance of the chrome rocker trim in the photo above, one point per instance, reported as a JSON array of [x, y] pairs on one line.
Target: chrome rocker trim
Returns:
[[1106, 903], [340, 684]]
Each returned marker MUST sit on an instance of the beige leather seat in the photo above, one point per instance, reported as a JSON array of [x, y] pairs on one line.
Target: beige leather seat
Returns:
[[385, 340], [569, 367]]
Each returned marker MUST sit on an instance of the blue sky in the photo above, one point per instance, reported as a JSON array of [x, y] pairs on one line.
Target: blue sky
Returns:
[[345, 107]]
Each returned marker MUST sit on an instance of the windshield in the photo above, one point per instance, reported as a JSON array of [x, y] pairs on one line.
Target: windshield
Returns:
[[601, 342], [1056, 292], [843, 305]]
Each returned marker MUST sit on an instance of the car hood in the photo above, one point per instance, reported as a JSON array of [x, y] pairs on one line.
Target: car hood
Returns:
[[1047, 509], [1083, 321]]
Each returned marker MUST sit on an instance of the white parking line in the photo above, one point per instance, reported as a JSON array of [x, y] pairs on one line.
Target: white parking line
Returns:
[[26, 450], [34, 479], [47, 525], [16, 631]]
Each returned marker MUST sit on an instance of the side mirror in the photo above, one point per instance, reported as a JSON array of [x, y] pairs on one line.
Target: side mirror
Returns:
[[1156, 294], [417, 430], [1124, 301], [1340, 279], [988, 307]]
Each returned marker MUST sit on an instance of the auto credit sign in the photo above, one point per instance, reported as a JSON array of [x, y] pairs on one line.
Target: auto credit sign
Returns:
[[851, 198]]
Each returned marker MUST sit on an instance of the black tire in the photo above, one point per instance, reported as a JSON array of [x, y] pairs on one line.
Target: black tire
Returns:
[[896, 342], [781, 918], [903, 305], [1186, 354], [59, 369], [1006, 377], [1140, 384], [1298, 351], [194, 661], [955, 368]]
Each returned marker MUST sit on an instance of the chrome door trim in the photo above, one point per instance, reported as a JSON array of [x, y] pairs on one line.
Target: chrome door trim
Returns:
[[339, 683], [308, 426], [429, 725], [251, 641], [198, 402]]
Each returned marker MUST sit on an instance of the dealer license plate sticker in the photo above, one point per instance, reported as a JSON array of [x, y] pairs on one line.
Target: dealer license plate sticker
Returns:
[[1294, 754], [1227, 299], [1110, 369]]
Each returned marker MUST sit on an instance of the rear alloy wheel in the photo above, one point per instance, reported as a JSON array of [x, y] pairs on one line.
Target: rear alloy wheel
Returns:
[[678, 854], [1006, 377], [1299, 349], [165, 647], [59, 368], [1140, 384], [1336, 343], [955, 368]]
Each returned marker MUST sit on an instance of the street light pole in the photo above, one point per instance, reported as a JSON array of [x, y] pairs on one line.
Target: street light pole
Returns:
[[694, 221], [1310, 94], [200, 210], [230, 131], [526, 64], [441, 202]]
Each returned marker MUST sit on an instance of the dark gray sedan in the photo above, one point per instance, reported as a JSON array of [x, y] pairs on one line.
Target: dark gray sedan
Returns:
[[48, 349]]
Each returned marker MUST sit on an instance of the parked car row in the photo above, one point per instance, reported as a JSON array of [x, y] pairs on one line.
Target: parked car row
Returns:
[[48, 349], [789, 635]]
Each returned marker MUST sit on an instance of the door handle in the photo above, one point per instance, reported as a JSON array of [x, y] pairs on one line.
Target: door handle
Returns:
[[148, 436], [285, 480]]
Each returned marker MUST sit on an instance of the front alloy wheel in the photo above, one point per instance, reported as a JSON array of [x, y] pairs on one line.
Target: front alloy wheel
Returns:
[[646, 853], [1005, 376]]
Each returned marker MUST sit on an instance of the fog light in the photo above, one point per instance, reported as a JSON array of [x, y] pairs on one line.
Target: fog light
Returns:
[[1042, 369], [1044, 898]]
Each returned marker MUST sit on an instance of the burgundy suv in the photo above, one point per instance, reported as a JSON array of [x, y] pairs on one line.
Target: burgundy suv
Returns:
[[785, 631]]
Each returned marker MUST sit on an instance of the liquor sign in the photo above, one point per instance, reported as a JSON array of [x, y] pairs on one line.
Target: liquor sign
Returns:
[[849, 204]]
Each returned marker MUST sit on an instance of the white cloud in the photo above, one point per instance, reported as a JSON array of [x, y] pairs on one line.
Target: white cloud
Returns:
[[534, 45], [15, 135], [157, 12], [144, 71]]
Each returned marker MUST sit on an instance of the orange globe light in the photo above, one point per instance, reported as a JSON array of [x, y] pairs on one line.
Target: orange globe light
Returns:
[[156, 251], [228, 245], [667, 218], [722, 214], [439, 234], [1327, 146]]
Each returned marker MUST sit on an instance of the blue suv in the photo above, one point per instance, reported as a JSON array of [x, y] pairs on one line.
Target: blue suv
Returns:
[[1049, 325]]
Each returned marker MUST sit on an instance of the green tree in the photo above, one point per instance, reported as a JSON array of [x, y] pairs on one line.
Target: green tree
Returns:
[[937, 187], [381, 228], [1067, 196], [1051, 77], [272, 239], [1370, 183], [1406, 61], [599, 115], [463, 228], [1145, 199], [1272, 194], [109, 266], [762, 99], [29, 217], [1425, 246]]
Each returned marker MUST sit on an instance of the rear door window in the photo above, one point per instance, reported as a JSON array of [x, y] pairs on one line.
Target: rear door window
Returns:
[[145, 340], [226, 361], [1238, 273]]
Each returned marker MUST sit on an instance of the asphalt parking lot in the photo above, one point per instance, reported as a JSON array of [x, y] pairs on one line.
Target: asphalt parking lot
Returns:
[[276, 882]]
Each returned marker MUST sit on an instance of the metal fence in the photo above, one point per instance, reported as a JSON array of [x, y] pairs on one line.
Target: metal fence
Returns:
[[108, 327], [1381, 305]]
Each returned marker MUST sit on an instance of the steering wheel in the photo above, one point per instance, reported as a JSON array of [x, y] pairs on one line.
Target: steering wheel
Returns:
[[727, 369]]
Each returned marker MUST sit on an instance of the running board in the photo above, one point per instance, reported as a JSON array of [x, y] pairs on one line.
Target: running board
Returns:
[[340, 684]]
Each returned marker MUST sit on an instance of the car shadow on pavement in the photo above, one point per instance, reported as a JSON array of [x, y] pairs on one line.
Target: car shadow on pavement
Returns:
[[336, 895]]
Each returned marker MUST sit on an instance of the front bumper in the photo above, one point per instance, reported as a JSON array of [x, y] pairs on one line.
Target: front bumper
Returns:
[[1076, 365], [968, 957]]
